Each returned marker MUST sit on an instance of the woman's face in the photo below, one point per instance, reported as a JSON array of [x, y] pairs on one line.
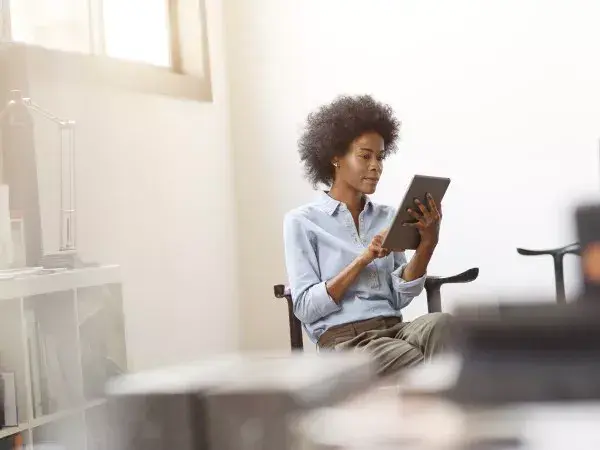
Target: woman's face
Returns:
[[361, 166]]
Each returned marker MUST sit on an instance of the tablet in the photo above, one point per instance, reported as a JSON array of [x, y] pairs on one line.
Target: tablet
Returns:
[[400, 237]]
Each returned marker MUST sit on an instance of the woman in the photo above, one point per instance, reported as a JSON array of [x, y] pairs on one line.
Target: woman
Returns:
[[347, 290]]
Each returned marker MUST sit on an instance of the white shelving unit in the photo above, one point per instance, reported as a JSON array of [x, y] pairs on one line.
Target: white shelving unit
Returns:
[[63, 337]]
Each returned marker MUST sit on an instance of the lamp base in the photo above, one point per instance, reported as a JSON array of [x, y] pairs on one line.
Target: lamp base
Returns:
[[63, 259]]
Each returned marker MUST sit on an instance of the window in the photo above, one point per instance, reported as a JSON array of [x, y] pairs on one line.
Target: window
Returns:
[[136, 30], [166, 34]]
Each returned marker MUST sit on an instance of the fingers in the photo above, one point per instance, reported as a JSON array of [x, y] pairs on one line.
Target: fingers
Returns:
[[422, 207], [420, 219], [433, 207], [412, 224], [375, 247], [383, 252], [378, 240]]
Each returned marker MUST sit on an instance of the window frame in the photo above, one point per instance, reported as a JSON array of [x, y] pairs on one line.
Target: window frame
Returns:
[[98, 69]]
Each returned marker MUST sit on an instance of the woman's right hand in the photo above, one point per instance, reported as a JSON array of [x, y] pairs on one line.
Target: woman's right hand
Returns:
[[375, 249]]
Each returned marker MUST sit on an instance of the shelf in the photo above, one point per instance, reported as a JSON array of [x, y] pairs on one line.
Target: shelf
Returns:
[[49, 418], [9, 431], [12, 355], [53, 346], [62, 336], [60, 281]]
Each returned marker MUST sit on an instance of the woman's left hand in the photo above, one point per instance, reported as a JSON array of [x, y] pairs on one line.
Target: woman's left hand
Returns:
[[428, 219]]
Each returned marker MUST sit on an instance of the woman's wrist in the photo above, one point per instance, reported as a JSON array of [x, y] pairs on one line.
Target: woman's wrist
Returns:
[[365, 259], [427, 246]]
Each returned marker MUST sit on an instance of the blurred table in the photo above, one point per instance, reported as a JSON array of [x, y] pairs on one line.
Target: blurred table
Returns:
[[408, 416]]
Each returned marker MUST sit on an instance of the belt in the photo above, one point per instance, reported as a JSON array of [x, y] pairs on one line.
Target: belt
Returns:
[[347, 331]]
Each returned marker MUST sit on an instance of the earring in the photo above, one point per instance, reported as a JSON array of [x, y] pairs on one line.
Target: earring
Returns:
[[336, 165]]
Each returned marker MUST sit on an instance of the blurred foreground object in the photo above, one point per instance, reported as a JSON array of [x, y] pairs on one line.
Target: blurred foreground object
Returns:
[[524, 376], [230, 403], [588, 229], [528, 353], [379, 420]]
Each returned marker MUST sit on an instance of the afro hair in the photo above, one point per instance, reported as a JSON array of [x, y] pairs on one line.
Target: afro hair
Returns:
[[330, 130]]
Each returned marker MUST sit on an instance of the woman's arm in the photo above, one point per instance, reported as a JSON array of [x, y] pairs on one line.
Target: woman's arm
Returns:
[[338, 285], [313, 297], [417, 267], [404, 290]]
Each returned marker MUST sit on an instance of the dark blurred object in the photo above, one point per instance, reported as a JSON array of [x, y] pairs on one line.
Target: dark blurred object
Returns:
[[557, 255], [433, 286], [528, 353], [234, 403], [588, 229]]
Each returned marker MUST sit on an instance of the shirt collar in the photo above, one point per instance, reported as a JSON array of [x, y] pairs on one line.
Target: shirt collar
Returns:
[[330, 205]]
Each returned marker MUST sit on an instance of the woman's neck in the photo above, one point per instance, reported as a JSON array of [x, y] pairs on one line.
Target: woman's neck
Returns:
[[353, 199]]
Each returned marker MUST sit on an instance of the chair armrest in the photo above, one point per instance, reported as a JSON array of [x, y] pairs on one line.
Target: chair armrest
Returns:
[[281, 291], [296, 339], [464, 277], [572, 249], [433, 286]]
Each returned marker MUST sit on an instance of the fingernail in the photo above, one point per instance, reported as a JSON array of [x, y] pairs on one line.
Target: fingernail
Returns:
[[408, 209]]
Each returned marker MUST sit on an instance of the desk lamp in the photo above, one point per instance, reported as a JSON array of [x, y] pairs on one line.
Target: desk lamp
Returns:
[[66, 257]]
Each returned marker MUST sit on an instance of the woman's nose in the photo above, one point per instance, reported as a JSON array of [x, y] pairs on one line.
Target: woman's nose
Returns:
[[376, 165]]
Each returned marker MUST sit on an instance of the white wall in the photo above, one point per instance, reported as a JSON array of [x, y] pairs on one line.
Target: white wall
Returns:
[[154, 194], [503, 96]]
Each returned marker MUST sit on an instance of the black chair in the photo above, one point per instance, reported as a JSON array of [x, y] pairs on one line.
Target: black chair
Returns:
[[557, 255], [433, 287]]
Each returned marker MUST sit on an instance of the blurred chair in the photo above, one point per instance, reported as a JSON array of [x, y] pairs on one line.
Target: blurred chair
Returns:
[[433, 287], [557, 255]]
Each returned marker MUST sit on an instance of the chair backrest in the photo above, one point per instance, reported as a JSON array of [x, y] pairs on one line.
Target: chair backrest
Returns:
[[558, 255], [433, 287]]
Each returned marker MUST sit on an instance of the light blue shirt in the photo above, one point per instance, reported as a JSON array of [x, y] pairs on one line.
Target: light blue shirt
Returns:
[[320, 240]]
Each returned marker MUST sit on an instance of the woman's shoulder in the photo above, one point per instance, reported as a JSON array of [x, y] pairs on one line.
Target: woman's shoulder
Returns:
[[312, 210], [303, 215]]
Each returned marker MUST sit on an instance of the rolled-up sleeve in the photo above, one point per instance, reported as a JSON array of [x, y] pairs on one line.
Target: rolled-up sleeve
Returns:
[[309, 293], [404, 291]]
